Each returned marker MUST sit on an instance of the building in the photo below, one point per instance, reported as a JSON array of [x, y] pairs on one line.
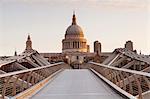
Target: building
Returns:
[[97, 47], [75, 49], [74, 46], [74, 40], [129, 45], [28, 44]]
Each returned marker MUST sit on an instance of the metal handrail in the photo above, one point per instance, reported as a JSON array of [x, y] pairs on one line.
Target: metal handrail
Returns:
[[123, 69], [27, 70], [114, 86], [18, 81], [128, 80]]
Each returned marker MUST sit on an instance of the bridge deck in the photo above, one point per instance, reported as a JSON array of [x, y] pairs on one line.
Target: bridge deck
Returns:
[[76, 84]]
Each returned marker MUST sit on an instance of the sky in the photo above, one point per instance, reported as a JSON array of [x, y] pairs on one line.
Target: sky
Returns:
[[112, 22]]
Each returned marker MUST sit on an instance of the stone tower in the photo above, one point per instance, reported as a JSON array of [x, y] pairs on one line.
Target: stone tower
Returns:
[[28, 44], [129, 45], [97, 47]]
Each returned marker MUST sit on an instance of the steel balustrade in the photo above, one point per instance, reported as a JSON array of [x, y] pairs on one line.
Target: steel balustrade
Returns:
[[15, 82], [133, 82]]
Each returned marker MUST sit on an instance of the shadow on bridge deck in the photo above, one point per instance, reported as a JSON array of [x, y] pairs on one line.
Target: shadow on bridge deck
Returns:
[[76, 84]]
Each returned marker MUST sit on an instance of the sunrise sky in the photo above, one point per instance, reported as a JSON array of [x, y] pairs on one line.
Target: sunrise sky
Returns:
[[112, 22]]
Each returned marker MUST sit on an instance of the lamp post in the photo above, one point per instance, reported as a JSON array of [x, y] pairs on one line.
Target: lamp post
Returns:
[[67, 58]]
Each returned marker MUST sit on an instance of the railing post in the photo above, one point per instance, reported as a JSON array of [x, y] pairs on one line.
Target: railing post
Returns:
[[5, 86], [147, 81], [115, 79], [130, 86], [23, 80], [14, 85], [139, 87], [118, 78], [122, 77], [33, 78], [28, 79]]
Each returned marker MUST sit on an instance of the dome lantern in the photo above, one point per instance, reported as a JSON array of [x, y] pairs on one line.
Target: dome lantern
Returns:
[[74, 19]]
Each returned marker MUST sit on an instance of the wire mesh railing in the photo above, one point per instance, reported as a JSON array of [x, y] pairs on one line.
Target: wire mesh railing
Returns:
[[16, 82], [133, 82]]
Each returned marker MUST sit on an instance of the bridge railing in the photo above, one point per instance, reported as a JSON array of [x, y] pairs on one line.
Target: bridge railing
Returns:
[[136, 83], [15, 82]]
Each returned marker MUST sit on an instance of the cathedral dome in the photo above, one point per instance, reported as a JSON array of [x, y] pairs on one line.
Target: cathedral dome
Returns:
[[74, 29], [74, 40]]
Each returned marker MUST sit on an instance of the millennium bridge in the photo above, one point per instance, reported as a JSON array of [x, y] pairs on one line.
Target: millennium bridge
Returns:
[[124, 74]]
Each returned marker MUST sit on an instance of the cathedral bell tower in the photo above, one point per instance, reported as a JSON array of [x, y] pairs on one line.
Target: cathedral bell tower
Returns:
[[28, 44]]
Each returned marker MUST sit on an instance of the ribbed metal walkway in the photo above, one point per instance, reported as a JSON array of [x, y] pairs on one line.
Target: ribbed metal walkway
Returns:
[[76, 84]]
